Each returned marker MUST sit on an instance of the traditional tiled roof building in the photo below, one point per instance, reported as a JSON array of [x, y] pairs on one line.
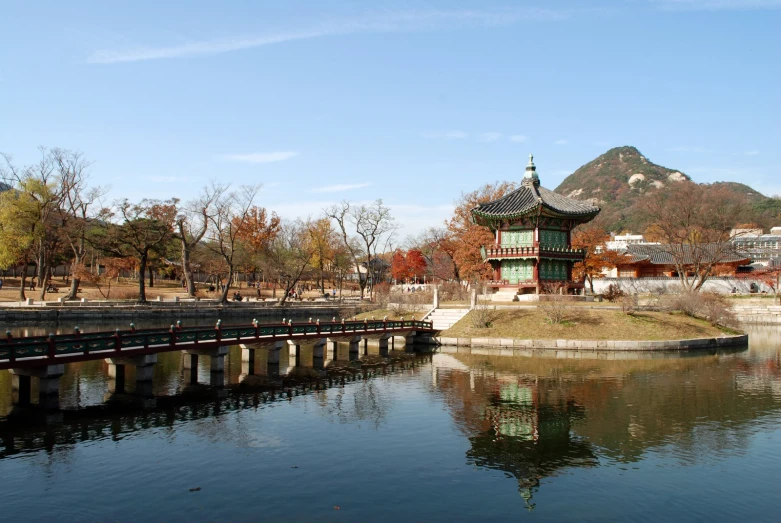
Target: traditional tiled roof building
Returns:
[[657, 260], [532, 229]]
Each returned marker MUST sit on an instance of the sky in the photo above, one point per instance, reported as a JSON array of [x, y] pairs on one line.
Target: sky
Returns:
[[412, 102]]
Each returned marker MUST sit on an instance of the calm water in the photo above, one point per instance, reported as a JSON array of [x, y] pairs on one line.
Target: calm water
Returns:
[[456, 438]]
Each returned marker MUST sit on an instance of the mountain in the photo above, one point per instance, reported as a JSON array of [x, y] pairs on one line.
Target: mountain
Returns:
[[618, 179]]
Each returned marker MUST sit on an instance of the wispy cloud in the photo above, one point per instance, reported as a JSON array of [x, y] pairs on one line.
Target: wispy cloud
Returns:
[[278, 156], [165, 179], [448, 135], [341, 187], [518, 138], [384, 22], [490, 137], [685, 149], [716, 5], [561, 142], [751, 153]]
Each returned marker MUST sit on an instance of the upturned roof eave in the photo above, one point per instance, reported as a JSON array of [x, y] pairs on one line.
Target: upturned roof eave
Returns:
[[546, 210]]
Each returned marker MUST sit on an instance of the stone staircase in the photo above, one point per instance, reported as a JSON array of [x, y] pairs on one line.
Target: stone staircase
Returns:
[[445, 318]]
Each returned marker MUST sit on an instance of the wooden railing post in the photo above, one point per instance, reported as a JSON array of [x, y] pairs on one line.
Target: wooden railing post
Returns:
[[172, 330], [318, 326], [117, 341], [52, 349], [218, 328]]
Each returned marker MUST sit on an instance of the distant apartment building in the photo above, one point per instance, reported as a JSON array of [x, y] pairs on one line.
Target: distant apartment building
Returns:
[[620, 242], [758, 246]]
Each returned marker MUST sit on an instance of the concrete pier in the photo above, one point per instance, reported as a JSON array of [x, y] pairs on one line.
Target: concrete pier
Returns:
[[319, 360], [145, 366], [294, 354], [48, 385]]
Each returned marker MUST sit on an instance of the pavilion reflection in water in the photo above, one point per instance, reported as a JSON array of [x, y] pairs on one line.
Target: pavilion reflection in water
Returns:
[[528, 440]]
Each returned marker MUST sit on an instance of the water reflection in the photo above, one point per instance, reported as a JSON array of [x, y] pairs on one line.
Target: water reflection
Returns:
[[525, 424], [535, 417]]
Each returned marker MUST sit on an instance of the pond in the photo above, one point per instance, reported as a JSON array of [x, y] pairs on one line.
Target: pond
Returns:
[[452, 437]]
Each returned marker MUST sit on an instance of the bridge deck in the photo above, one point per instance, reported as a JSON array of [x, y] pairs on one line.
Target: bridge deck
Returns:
[[40, 351]]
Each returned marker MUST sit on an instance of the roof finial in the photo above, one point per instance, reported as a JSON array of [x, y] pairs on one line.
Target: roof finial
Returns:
[[530, 176]]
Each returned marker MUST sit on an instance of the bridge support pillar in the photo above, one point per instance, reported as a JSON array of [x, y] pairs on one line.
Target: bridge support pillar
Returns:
[[48, 385], [331, 349], [318, 354], [355, 348], [216, 356], [383, 345], [249, 362], [145, 367], [294, 354], [272, 358]]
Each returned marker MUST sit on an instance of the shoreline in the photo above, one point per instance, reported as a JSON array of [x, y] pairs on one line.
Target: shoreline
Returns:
[[513, 344]]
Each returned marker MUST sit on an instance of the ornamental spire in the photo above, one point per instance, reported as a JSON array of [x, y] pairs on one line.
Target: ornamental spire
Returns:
[[530, 177]]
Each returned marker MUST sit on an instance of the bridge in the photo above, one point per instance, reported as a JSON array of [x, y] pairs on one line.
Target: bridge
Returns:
[[43, 357]]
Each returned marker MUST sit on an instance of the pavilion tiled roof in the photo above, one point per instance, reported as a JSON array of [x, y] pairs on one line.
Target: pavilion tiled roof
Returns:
[[530, 197], [663, 254]]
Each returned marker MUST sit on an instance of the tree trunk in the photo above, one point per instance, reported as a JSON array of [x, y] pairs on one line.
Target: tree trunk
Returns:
[[226, 288], [322, 277], [188, 275], [22, 297], [40, 266], [151, 277], [44, 283], [141, 282]]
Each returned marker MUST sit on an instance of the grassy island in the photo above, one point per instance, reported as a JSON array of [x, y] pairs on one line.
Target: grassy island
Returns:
[[587, 324]]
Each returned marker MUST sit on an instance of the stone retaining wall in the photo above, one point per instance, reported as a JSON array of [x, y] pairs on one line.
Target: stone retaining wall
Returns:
[[758, 314], [602, 345]]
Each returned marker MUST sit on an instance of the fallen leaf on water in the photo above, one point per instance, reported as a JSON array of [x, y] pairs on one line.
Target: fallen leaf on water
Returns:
[[336, 507], [196, 489]]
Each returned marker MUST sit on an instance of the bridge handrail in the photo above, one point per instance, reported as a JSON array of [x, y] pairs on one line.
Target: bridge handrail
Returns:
[[104, 342]]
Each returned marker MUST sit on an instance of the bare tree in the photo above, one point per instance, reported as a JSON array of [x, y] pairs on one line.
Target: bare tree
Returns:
[[371, 223], [290, 254], [77, 208], [693, 223], [191, 226], [229, 215]]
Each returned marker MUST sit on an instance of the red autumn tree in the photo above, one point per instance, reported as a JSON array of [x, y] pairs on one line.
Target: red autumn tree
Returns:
[[416, 263], [591, 237], [399, 269], [465, 237]]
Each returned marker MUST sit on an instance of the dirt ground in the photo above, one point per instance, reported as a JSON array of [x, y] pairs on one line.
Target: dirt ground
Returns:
[[128, 290]]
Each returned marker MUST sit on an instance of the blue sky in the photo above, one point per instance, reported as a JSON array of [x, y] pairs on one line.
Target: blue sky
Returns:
[[413, 102]]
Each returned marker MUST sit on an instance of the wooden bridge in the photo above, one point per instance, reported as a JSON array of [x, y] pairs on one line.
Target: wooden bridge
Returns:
[[41, 351], [43, 357]]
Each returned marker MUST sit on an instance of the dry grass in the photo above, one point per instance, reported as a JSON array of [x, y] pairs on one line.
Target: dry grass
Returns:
[[379, 314], [586, 324]]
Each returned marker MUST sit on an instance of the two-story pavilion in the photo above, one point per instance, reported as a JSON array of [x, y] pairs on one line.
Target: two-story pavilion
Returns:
[[532, 229]]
